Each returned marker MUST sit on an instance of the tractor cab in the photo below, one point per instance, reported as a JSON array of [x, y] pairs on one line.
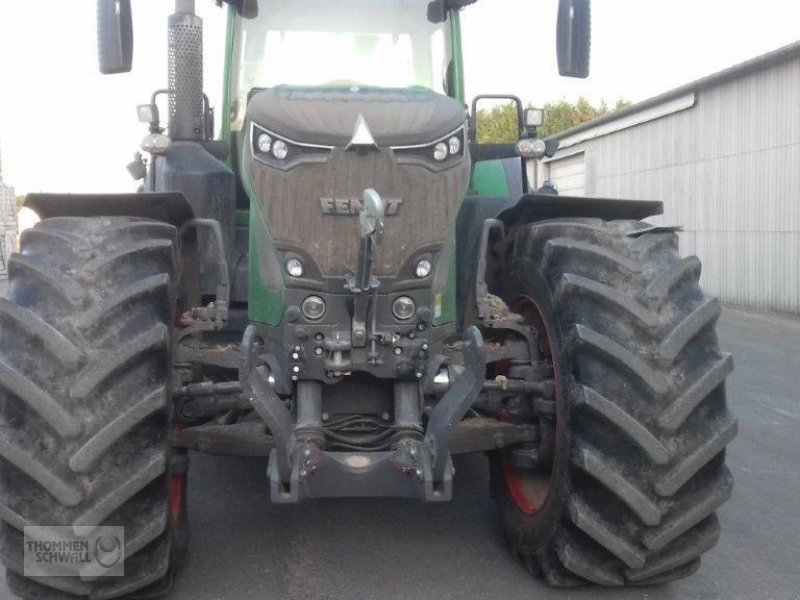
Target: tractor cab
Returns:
[[353, 44], [346, 53]]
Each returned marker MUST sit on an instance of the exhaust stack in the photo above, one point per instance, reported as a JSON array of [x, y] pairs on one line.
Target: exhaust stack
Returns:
[[186, 109]]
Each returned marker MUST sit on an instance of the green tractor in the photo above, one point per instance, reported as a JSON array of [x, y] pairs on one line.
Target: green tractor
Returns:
[[349, 286]]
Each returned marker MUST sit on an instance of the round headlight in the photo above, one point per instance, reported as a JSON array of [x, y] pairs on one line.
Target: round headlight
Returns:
[[264, 143], [313, 308], [440, 151], [455, 144], [531, 148], [294, 267], [280, 150], [423, 268], [404, 308]]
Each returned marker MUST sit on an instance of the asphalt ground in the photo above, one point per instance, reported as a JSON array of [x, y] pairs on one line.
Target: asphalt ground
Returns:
[[243, 547]]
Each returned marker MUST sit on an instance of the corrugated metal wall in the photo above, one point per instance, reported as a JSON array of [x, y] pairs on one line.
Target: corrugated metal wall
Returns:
[[569, 175], [728, 171], [8, 227]]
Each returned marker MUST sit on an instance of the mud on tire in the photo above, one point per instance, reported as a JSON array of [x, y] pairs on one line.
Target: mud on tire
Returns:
[[642, 418], [85, 369]]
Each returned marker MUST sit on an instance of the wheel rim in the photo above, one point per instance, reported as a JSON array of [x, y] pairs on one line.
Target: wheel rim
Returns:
[[177, 496], [530, 489], [177, 488]]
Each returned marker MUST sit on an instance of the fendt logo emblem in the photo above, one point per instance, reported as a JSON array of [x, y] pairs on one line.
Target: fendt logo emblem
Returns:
[[352, 206]]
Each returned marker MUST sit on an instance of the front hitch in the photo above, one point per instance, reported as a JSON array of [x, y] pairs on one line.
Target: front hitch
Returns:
[[450, 410], [300, 468]]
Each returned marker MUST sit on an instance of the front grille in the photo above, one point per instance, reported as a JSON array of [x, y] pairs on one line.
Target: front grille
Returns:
[[290, 201]]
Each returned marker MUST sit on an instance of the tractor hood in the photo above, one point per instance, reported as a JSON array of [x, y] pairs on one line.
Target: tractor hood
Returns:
[[328, 116]]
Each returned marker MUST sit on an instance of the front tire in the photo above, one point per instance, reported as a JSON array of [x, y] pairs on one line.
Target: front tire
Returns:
[[641, 416], [85, 410]]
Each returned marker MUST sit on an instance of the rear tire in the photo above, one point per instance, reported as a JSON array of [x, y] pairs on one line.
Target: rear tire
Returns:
[[85, 411], [642, 422]]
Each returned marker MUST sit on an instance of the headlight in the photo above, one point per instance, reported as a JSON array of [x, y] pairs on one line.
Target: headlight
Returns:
[[437, 155], [313, 308], [264, 143], [534, 117], [280, 150], [294, 267], [423, 268], [276, 151], [531, 148], [455, 145], [404, 308]]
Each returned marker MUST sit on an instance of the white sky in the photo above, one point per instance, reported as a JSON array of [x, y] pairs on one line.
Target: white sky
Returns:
[[65, 128]]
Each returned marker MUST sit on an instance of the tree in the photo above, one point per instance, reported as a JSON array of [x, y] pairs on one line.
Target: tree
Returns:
[[19, 202], [498, 125], [561, 115]]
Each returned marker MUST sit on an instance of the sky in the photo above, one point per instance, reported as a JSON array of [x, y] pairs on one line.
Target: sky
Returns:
[[66, 128]]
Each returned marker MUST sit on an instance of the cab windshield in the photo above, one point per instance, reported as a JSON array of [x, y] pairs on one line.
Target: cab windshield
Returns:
[[384, 43]]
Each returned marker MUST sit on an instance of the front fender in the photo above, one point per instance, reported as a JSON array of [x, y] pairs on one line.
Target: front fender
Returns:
[[530, 208], [172, 208]]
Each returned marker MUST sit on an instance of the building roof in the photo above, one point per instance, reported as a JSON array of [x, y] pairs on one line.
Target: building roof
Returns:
[[758, 63]]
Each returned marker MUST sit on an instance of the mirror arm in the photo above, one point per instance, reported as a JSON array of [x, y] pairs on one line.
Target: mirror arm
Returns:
[[480, 152]]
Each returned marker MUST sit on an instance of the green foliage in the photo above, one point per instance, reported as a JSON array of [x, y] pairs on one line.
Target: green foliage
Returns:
[[561, 115], [19, 201], [498, 125]]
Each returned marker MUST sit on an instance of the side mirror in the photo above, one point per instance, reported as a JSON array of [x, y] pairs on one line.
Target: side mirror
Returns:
[[248, 9], [438, 9], [437, 12], [114, 36], [501, 122], [574, 37]]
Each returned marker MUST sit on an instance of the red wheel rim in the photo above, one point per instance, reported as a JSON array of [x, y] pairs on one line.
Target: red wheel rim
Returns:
[[177, 495], [529, 492], [177, 488]]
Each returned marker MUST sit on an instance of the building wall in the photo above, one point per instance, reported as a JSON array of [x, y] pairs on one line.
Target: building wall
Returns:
[[728, 171], [8, 226]]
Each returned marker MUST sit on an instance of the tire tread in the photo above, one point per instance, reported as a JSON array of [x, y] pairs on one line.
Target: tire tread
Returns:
[[86, 422], [646, 387]]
